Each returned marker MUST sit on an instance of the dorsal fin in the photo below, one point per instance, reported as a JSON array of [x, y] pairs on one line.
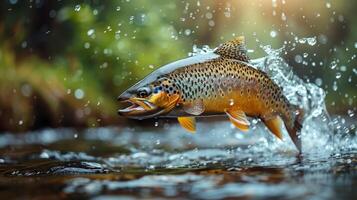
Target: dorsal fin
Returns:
[[234, 49]]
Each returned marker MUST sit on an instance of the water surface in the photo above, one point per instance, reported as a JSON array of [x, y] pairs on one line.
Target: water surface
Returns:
[[152, 162]]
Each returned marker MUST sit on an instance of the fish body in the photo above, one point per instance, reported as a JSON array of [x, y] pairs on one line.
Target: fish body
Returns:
[[222, 82]]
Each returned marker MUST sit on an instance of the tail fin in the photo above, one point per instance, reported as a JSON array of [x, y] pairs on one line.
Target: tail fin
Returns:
[[294, 125]]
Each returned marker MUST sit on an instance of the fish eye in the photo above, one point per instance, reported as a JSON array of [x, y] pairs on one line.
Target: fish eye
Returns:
[[144, 92]]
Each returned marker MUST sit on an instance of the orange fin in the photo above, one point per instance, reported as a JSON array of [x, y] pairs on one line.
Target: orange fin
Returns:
[[188, 123], [274, 125], [172, 102], [238, 119], [194, 108]]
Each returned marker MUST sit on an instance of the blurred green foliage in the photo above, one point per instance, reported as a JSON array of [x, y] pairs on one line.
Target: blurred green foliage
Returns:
[[62, 63]]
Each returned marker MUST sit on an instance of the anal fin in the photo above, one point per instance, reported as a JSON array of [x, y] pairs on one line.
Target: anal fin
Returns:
[[188, 123], [238, 119], [274, 125]]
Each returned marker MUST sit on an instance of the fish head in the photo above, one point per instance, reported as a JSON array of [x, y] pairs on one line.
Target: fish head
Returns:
[[156, 94], [147, 100]]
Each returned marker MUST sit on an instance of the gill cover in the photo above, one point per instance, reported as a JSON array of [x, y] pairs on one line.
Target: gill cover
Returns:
[[164, 101]]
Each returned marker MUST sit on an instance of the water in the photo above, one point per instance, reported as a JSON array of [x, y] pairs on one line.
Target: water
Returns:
[[216, 163], [161, 160]]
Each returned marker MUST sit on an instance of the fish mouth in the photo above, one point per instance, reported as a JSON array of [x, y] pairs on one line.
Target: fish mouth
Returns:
[[139, 108]]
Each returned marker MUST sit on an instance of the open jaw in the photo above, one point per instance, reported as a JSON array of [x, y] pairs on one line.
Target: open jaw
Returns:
[[138, 108], [132, 107]]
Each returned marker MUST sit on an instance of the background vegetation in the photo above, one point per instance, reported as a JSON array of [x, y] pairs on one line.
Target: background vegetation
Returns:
[[62, 63]]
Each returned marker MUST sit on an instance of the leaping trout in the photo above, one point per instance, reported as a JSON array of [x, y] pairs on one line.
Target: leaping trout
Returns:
[[222, 82]]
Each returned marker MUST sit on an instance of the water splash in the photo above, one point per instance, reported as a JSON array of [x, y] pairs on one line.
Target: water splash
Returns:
[[320, 133], [219, 161], [317, 130]]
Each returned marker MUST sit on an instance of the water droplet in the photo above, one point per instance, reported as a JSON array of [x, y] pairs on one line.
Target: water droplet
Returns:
[[90, 32], [103, 66], [118, 8], [26, 90], [77, 8], [156, 124], [350, 113], [341, 18], [131, 19], [305, 55], [87, 45], [107, 51], [209, 15], [231, 102], [24, 44], [75, 135], [79, 94], [44, 155], [283, 16], [328, 5], [187, 32], [318, 81], [311, 41], [338, 75], [21, 122], [298, 59], [302, 40], [211, 23], [356, 45], [227, 12], [334, 86], [333, 65], [350, 79], [273, 33]]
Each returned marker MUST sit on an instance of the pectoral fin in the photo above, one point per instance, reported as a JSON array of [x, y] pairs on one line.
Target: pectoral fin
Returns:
[[274, 125], [188, 123], [172, 102], [238, 119], [195, 107]]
